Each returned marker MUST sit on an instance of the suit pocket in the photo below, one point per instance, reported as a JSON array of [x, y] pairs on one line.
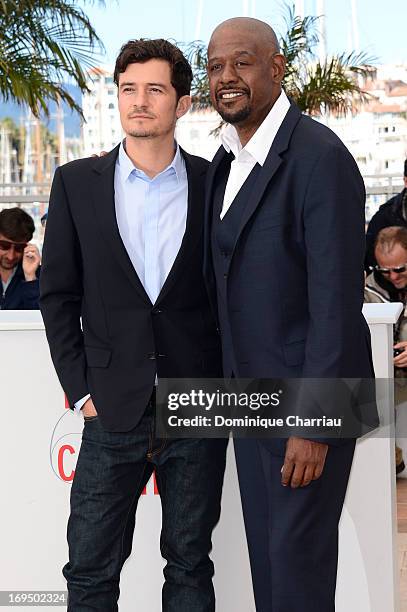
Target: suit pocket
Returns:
[[294, 353], [97, 357], [268, 221]]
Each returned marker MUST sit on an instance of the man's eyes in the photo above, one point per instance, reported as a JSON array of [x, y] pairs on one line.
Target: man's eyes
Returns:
[[153, 90], [217, 67]]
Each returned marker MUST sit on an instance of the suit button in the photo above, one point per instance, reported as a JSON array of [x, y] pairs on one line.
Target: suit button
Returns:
[[157, 311], [225, 275], [152, 356]]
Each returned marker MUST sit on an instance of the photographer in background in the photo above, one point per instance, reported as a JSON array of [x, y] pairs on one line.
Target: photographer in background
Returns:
[[19, 261], [388, 283], [391, 213]]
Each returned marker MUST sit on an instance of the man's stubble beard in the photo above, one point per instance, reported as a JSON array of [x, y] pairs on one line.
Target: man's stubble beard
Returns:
[[151, 134], [236, 116], [147, 134], [6, 266]]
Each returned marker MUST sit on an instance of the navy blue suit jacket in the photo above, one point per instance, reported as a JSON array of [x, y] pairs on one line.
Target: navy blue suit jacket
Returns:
[[295, 280]]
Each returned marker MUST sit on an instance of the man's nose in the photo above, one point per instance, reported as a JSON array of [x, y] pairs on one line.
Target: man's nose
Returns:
[[229, 74], [394, 276], [140, 100]]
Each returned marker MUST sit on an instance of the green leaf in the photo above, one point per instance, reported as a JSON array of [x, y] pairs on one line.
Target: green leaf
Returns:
[[44, 43]]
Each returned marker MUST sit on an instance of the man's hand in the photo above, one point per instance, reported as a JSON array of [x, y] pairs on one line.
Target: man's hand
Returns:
[[31, 261], [401, 360], [88, 409], [303, 462], [101, 154]]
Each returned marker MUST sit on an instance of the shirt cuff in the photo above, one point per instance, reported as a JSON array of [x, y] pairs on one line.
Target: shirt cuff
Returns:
[[78, 405]]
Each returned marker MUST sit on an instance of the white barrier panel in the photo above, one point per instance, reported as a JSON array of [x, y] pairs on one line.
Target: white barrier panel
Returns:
[[40, 443]]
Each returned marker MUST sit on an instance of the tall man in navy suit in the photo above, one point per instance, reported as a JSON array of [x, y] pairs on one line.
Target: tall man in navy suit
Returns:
[[284, 264]]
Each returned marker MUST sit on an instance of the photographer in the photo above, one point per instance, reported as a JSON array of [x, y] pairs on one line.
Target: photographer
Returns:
[[391, 213], [19, 261], [388, 283]]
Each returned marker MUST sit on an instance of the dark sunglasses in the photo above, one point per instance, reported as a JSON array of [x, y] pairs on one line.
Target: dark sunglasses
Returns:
[[5, 245], [387, 271]]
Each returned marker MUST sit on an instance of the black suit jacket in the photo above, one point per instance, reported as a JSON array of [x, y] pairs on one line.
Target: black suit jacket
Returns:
[[87, 274], [295, 278]]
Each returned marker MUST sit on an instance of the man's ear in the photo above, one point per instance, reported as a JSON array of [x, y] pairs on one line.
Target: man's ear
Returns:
[[278, 64], [183, 106]]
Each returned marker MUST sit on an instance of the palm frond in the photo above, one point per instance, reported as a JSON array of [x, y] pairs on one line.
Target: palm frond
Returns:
[[44, 43]]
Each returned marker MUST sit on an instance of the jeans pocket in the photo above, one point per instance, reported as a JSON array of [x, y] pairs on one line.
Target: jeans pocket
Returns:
[[87, 419]]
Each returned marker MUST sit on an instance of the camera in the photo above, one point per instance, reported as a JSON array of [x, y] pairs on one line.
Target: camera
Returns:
[[397, 351]]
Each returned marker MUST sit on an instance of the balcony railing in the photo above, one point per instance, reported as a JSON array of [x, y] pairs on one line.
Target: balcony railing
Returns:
[[33, 197]]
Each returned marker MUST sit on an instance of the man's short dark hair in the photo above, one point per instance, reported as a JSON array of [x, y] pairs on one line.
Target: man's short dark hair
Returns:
[[142, 50], [405, 168], [16, 224]]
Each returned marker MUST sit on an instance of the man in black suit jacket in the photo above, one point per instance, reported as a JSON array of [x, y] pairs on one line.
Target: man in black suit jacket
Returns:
[[123, 253], [284, 264]]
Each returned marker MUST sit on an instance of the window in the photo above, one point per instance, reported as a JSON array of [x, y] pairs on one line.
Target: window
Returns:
[[109, 80], [111, 105]]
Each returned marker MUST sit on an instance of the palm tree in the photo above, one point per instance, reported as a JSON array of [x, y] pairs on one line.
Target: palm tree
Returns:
[[44, 43], [331, 86]]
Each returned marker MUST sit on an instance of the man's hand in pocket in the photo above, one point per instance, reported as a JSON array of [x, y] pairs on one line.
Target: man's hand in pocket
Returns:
[[88, 409]]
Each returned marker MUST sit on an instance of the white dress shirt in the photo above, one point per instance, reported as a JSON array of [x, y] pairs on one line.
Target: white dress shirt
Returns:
[[255, 151]]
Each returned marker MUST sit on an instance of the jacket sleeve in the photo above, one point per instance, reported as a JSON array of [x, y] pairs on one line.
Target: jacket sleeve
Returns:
[[335, 246], [61, 293], [30, 294], [333, 218]]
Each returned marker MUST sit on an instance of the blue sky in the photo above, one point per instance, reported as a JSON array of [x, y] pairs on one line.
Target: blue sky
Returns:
[[381, 25]]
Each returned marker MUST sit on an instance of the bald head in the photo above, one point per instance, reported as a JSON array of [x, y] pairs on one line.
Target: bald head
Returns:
[[245, 70], [248, 26]]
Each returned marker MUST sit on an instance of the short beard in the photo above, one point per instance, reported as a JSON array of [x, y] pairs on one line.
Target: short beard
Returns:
[[143, 134], [236, 116], [4, 265]]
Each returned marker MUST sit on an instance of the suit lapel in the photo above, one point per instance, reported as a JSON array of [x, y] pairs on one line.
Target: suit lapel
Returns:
[[271, 165], [209, 186], [105, 212], [193, 229]]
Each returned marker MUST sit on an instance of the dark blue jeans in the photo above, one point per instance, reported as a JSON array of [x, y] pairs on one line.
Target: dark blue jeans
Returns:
[[111, 473]]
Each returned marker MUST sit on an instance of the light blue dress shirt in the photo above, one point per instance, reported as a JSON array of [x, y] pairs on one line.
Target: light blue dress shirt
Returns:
[[151, 215]]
